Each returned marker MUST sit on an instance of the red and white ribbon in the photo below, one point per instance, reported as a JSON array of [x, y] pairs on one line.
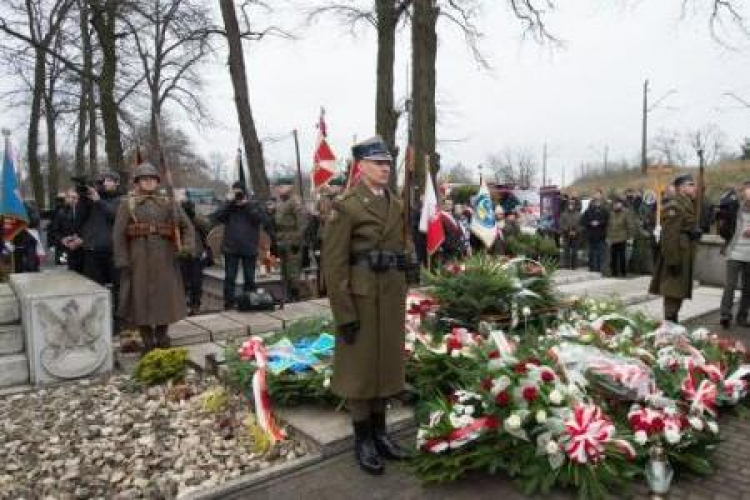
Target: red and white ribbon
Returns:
[[253, 349], [702, 398], [462, 435], [588, 431]]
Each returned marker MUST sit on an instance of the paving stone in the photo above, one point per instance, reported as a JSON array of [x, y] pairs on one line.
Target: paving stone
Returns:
[[6, 290], [14, 370], [299, 310], [11, 339], [332, 430], [324, 302], [186, 333], [627, 291], [257, 323], [220, 326], [568, 276], [704, 302]]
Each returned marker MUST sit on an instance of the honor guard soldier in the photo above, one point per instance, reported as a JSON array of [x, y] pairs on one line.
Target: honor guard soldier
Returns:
[[150, 232], [364, 266], [673, 278], [290, 222]]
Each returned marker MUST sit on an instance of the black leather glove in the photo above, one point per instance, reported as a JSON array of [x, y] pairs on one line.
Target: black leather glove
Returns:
[[348, 332], [674, 270], [413, 270], [696, 234]]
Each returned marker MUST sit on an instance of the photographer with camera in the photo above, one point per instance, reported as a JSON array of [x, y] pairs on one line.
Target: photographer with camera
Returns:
[[98, 201], [242, 218]]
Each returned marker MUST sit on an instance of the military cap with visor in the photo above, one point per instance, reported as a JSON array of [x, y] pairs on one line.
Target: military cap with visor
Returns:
[[373, 149], [683, 179], [146, 169]]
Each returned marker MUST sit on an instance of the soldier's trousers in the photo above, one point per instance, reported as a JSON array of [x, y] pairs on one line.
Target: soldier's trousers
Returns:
[[291, 269], [672, 307], [736, 269], [361, 409]]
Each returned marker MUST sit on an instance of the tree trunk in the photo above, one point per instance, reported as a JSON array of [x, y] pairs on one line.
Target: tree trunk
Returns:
[[104, 19], [93, 138], [52, 163], [83, 102], [386, 117], [253, 148], [424, 58], [32, 143]]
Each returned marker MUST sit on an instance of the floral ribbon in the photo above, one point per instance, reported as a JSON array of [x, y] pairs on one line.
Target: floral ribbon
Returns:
[[588, 431], [459, 437], [253, 349], [702, 398]]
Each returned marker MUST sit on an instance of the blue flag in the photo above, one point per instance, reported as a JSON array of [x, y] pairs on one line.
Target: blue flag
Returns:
[[12, 209], [483, 221]]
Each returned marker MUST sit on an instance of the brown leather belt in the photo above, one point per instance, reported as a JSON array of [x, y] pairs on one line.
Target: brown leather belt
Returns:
[[144, 229]]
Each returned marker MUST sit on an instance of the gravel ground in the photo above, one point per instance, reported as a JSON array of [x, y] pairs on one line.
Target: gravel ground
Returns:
[[109, 439]]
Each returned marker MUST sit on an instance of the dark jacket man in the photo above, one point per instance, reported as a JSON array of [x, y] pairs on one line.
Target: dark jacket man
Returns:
[[242, 218], [98, 210]]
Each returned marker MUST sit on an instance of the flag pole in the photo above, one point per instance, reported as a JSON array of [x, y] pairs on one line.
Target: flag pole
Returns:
[[427, 172], [299, 164]]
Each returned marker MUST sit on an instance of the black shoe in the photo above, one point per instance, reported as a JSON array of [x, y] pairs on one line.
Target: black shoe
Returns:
[[162, 339], [742, 321], [726, 323], [365, 451], [387, 447]]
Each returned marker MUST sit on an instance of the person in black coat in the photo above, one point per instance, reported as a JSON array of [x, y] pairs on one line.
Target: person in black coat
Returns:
[[594, 222], [98, 207], [242, 218], [65, 230]]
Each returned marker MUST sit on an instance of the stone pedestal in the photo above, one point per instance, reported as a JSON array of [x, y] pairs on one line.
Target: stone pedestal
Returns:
[[67, 324], [710, 264]]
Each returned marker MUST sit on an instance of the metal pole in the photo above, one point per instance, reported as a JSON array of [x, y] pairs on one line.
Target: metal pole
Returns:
[[701, 171], [544, 166], [299, 164], [644, 131]]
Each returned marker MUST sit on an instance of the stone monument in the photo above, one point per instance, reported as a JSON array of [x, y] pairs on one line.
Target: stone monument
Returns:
[[67, 325]]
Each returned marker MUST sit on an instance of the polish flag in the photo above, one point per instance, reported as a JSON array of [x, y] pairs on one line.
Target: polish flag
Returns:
[[431, 222], [324, 161]]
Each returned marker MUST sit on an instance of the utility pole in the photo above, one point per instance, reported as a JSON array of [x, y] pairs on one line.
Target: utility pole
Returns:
[[544, 165], [644, 131], [563, 178], [606, 158]]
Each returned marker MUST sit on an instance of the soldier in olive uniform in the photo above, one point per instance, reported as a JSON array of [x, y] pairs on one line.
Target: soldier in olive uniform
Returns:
[[290, 222], [364, 264], [150, 231], [673, 278]]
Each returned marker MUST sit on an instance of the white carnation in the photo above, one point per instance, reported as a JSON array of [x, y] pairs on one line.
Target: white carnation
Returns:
[[552, 448], [555, 397], [672, 435], [541, 416], [641, 437], [513, 422]]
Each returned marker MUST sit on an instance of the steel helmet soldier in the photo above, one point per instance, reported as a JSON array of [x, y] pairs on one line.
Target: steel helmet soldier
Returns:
[[290, 222], [148, 228], [364, 264], [673, 278]]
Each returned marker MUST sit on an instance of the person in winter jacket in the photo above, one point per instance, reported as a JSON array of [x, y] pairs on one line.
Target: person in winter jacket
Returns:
[[734, 228]]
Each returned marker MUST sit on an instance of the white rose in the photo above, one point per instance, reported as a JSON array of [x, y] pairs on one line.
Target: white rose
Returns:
[[526, 311], [672, 435], [592, 317], [641, 437], [327, 382], [499, 385], [455, 353], [713, 427], [700, 335], [696, 422], [555, 397], [541, 416], [552, 448], [513, 422]]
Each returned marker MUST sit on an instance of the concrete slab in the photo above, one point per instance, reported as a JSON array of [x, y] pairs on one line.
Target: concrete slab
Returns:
[[10, 309], [220, 326], [568, 276], [628, 291], [704, 302], [185, 333], [257, 323], [299, 310], [11, 339], [324, 302], [332, 430], [14, 370], [199, 354], [6, 290]]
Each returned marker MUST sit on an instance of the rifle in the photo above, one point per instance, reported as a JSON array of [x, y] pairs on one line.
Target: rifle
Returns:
[[412, 268], [170, 190]]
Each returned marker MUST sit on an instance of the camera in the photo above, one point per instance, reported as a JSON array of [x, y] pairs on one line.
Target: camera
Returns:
[[83, 184], [239, 196]]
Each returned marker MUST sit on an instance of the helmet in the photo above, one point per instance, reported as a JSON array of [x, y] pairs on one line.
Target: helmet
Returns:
[[145, 169]]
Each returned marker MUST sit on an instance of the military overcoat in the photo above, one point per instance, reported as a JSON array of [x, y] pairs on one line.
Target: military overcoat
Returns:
[[374, 366], [675, 249], [151, 288]]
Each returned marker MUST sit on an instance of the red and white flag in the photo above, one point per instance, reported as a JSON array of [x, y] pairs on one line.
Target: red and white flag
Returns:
[[324, 161], [431, 222]]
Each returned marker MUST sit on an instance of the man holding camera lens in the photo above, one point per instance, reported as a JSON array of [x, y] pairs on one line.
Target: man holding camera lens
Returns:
[[242, 218], [99, 202], [365, 262]]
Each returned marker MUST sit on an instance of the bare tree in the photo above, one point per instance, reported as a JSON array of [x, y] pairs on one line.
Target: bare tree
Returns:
[[709, 139], [667, 147], [459, 174], [516, 167], [171, 38]]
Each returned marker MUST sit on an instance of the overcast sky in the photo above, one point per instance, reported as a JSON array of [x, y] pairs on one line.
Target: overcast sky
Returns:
[[578, 98]]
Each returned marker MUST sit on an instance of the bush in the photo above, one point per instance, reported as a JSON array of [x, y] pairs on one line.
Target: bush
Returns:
[[532, 246], [463, 194], [161, 365]]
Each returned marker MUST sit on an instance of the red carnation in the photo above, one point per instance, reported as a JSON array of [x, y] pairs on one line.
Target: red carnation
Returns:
[[502, 399], [486, 383], [548, 376], [520, 368], [494, 354], [529, 393]]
